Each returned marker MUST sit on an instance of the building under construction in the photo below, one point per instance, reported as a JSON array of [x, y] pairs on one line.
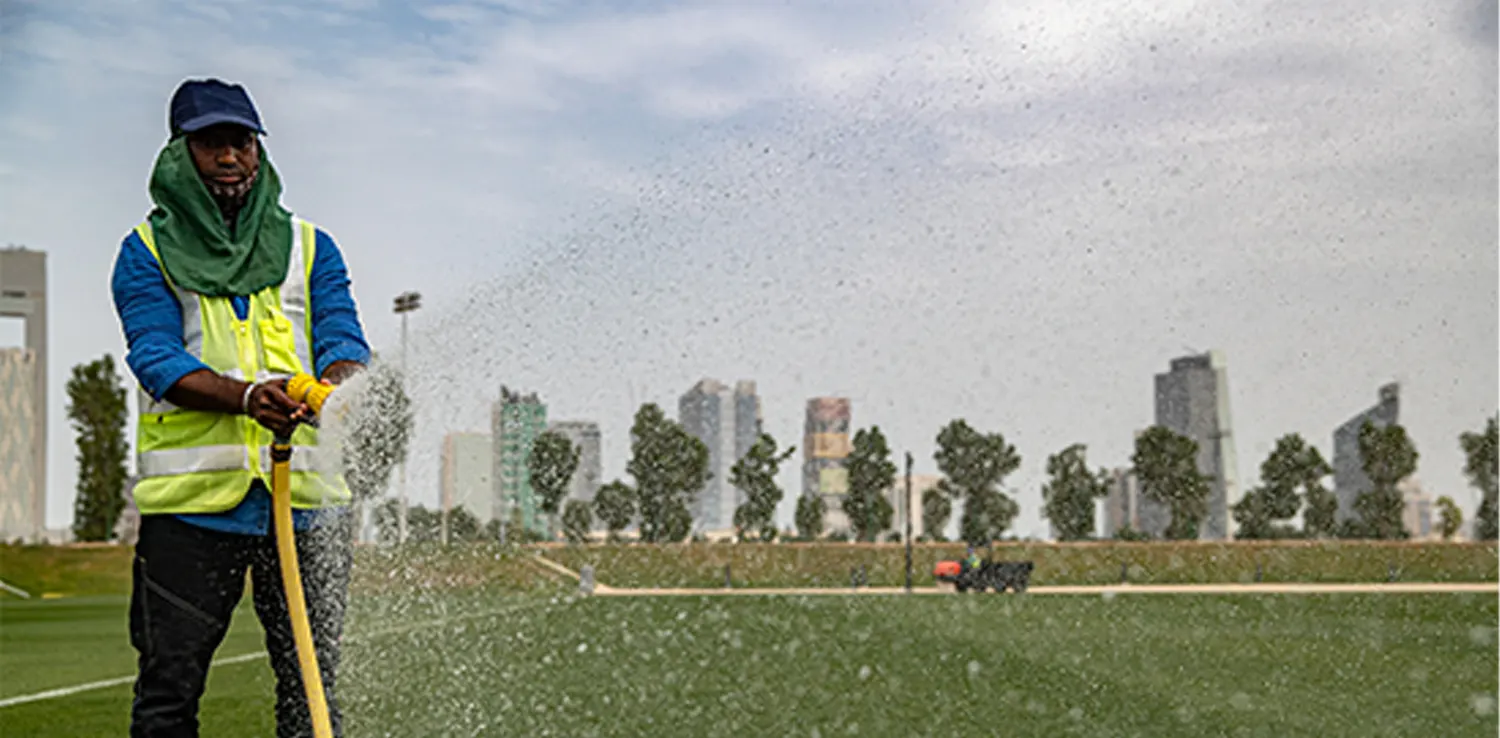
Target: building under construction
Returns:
[[515, 422], [825, 454]]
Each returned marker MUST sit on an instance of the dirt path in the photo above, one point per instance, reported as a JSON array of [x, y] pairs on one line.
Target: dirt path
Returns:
[[1113, 589]]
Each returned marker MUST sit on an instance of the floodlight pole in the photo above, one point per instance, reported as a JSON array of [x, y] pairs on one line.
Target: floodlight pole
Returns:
[[907, 535], [405, 303]]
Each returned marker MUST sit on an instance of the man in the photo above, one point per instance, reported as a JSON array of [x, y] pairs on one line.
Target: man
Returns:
[[222, 294], [971, 559]]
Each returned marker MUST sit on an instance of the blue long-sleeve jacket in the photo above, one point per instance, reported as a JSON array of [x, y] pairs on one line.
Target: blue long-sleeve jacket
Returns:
[[152, 322]]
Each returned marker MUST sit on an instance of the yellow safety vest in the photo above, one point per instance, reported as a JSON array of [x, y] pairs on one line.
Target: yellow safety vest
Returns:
[[191, 461]]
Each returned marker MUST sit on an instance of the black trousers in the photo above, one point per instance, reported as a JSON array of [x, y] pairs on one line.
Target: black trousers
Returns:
[[186, 583]]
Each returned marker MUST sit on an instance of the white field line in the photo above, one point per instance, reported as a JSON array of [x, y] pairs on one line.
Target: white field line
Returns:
[[119, 681], [17, 591]]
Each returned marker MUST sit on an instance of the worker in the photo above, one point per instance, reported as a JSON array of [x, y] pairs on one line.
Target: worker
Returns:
[[971, 559], [222, 294]]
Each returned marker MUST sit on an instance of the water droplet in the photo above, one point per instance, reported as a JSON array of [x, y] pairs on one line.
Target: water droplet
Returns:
[[973, 669], [864, 673], [1240, 701], [1483, 704]]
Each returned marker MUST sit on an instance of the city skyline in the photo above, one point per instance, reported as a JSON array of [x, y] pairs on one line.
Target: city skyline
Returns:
[[828, 424], [941, 210]]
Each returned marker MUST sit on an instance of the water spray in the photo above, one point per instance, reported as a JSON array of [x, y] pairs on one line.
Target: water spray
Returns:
[[301, 388]]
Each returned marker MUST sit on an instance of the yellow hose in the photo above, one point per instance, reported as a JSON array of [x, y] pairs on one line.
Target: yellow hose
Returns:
[[301, 388]]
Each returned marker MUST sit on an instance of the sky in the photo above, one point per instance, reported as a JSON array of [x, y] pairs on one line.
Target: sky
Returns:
[[1012, 212]]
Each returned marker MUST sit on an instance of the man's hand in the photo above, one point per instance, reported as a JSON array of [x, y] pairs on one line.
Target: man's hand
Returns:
[[271, 407], [267, 404]]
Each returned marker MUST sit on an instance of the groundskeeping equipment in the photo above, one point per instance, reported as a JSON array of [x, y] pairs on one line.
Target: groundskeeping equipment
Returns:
[[996, 575], [301, 388]]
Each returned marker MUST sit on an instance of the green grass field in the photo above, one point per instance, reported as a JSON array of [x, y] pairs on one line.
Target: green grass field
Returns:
[[491, 661]]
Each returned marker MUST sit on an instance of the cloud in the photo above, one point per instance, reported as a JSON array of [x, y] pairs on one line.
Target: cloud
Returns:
[[1012, 210]]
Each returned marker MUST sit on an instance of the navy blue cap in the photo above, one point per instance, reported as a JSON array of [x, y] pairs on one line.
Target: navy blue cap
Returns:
[[200, 103]]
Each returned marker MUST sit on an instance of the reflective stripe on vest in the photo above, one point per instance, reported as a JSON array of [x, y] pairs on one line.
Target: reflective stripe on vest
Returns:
[[195, 461]]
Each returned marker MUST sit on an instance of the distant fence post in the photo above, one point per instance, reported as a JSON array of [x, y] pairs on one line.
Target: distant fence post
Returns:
[[1124, 572], [728, 583], [586, 579], [1257, 571], [1390, 573]]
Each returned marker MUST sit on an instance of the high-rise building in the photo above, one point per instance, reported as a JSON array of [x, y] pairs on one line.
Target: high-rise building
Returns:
[[23, 294], [1349, 479], [515, 422], [1125, 506], [1192, 399], [468, 474], [727, 422], [825, 458], [584, 435], [920, 483], [18, 407]]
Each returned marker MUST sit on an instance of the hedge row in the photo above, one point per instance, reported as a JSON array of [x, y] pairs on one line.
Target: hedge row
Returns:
[[831, 565]]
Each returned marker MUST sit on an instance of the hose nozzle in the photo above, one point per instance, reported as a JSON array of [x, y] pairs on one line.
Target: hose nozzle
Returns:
[[304, 389]]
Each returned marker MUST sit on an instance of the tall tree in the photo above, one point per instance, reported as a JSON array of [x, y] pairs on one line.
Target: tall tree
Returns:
[[937, 509], [755, 476], [1166, 465], [551, 464], [576, 521], [810, 511], [871, 475], [669, 466], [987, 513], [97, 409], [1450, 518], [1482, 467], [614, 503], [1069, 495], [1292, 476], [976, 464], [1388, 457]]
